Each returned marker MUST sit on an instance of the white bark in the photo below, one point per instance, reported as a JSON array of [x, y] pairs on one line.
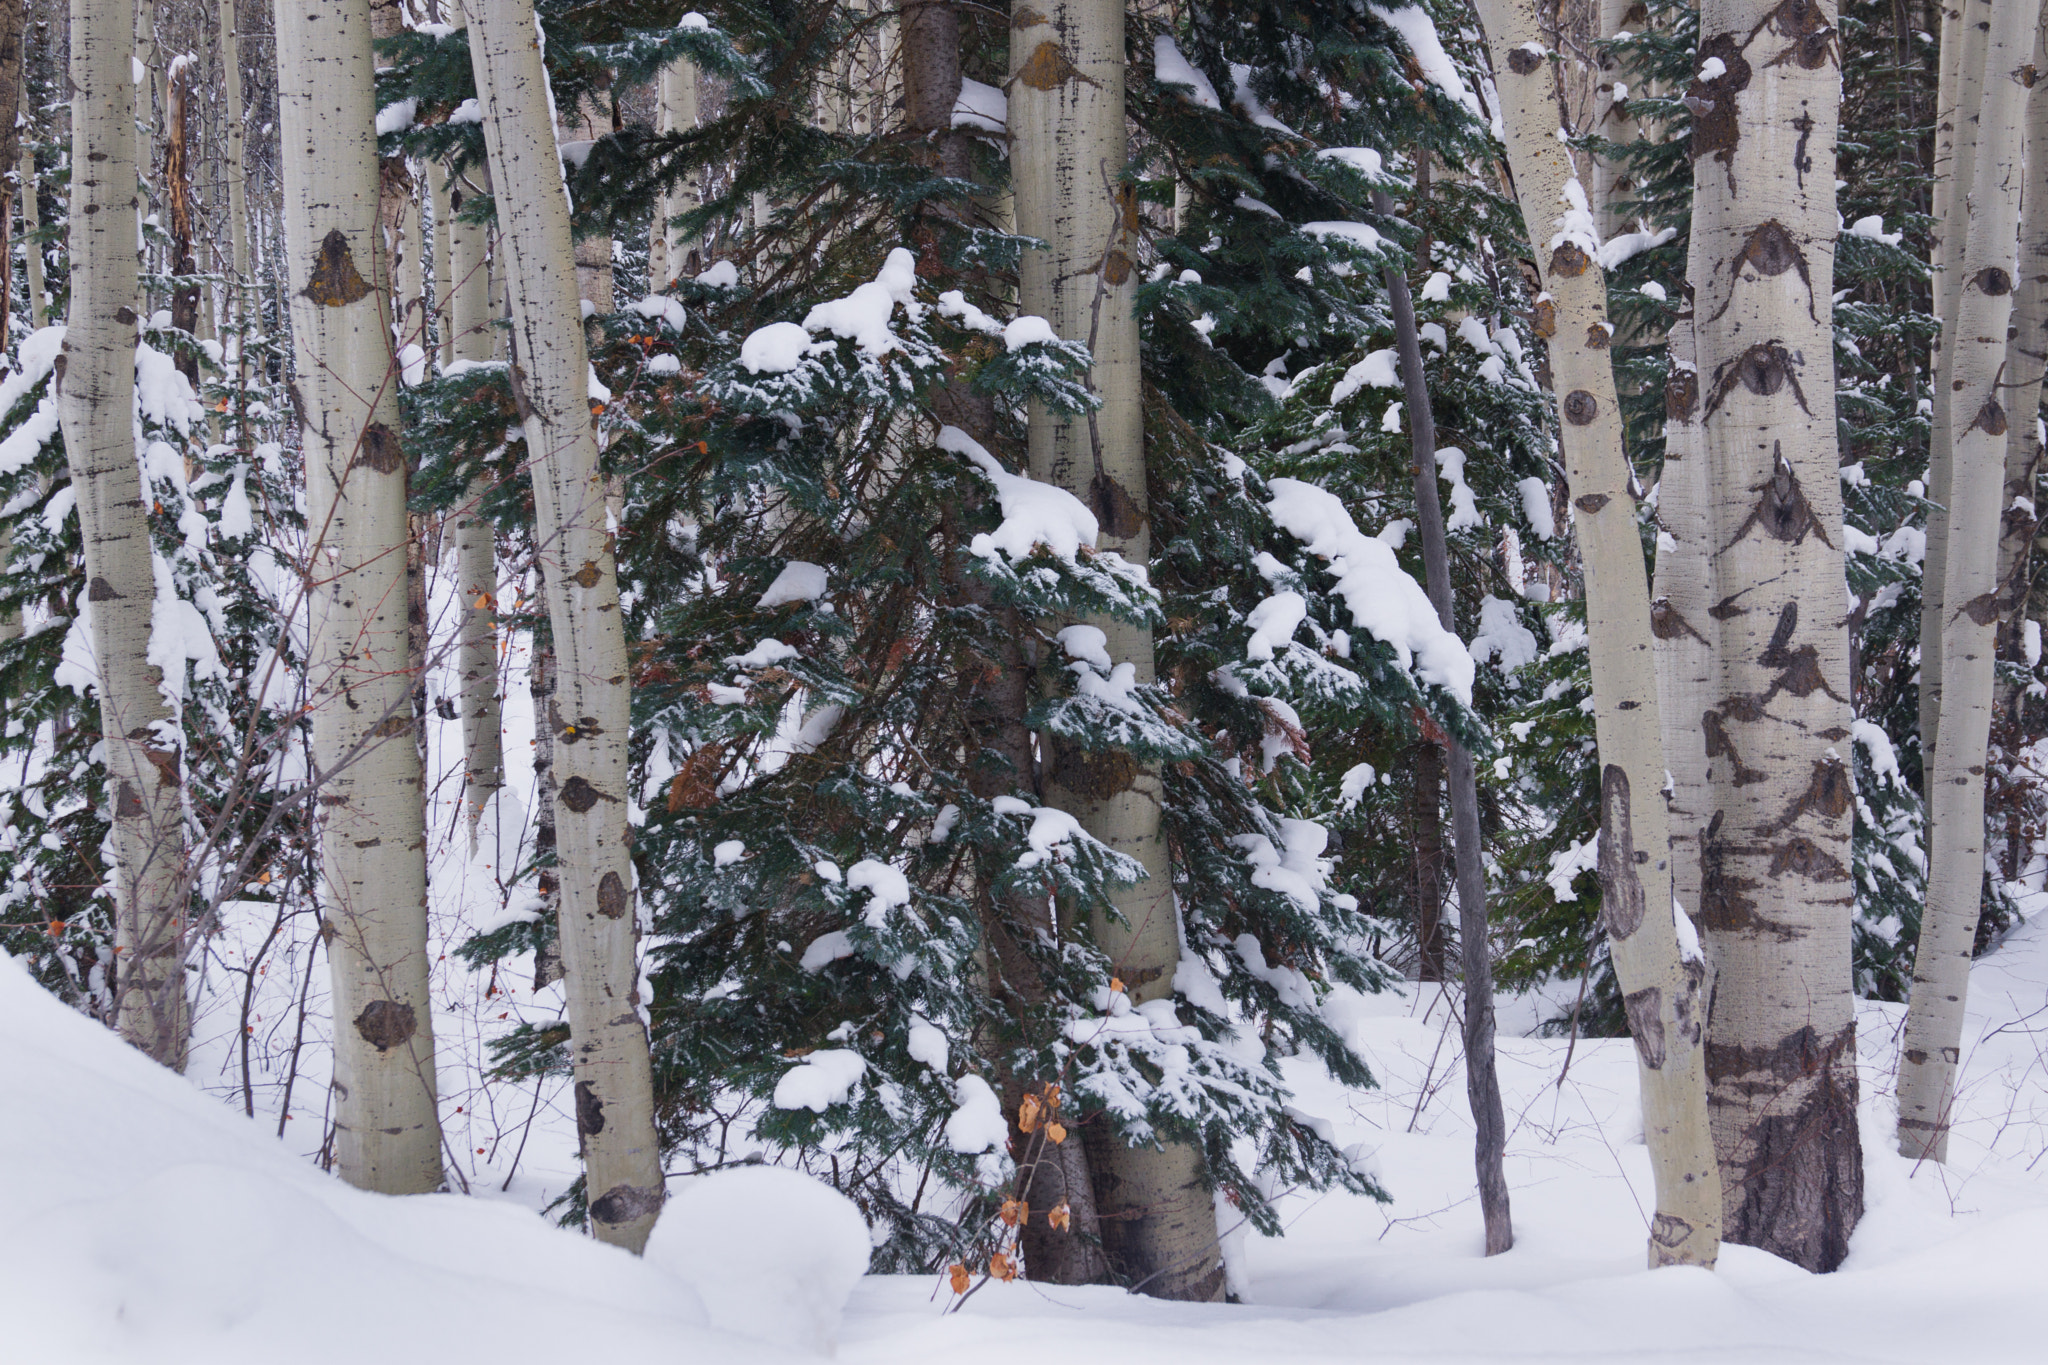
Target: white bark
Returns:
[[588, 715], [2025, 358], [96, 393], [1660, 986], [1614, 120], [1977, 435], [1776, 896], [1066, 117], [31, 224], [373, 842], [669, 250], [1681, 617], [232, 149], [468, 310], [1961, 128]]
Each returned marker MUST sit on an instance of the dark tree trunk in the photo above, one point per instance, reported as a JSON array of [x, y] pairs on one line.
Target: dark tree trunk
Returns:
[[1482, 1085]]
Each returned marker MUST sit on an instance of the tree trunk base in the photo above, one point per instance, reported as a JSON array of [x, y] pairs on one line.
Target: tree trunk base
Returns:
[[1796, 1187]]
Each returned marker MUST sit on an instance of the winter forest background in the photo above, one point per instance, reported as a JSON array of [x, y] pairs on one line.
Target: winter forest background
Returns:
[[955, 669]]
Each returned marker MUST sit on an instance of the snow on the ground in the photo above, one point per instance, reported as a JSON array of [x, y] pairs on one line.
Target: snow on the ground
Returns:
[[143, 1220]]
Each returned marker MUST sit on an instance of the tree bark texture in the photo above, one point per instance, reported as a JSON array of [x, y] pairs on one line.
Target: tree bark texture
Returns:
[[232, 168], [1482, 1080], [588, 715], [2026, 357], [1066, 118], [1777, 900], [373, 839], [1682, 617], [1612, 118], [178, 205], [1428, 845], [13, 23], [1978, 430], [31, 227], [468, 310], [669, 252], [437, 197], [96, 394], [1661, 987], [1952, 225]]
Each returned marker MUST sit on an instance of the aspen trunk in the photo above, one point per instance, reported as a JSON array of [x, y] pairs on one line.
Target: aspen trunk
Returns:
[[1066, 117], [443, 336], [31, 228], [2026, 357], [373, 841], [1482, 1081], [13, 23], [1977, 433], [1660, 983], [593, 252], [177, 190], [588, 715], [96, 394], [1682, 618], [1776, 898], [1613, 118], [232, 138], [669, 251], [468, 309], [1953, 194]]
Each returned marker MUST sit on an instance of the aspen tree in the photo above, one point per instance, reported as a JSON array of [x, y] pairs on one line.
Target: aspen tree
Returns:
[[1613, 117], [1959, 126], [1482, 1081], [588, 715], [13, 92], [668, 255], [468, 310], [1978, 430], [1776, 895], [1659, 980], [1067, 150], [373, 841], [96, 396], [437, 198], [31, 224], [232, 154], [1681, 615], [2026, 359]]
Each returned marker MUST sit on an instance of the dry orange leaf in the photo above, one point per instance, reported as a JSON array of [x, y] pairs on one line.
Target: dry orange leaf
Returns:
[[959, 1278], [1002, 1267], [1052, 1098], [1061, 1217], [1116, 983], [1056, 1133], [1027, 1114], [1012, 1213]]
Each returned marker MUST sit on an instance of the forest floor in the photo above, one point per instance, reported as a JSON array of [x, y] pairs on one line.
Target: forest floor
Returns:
[[142, 1220]]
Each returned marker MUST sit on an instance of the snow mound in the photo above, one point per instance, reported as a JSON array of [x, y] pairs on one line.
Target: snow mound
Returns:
[[145, 1222], [774, 1253]]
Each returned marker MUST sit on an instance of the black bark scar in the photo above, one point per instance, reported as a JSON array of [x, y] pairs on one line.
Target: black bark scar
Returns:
[[1763, 369], [1781, 507], [1772, 251]]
